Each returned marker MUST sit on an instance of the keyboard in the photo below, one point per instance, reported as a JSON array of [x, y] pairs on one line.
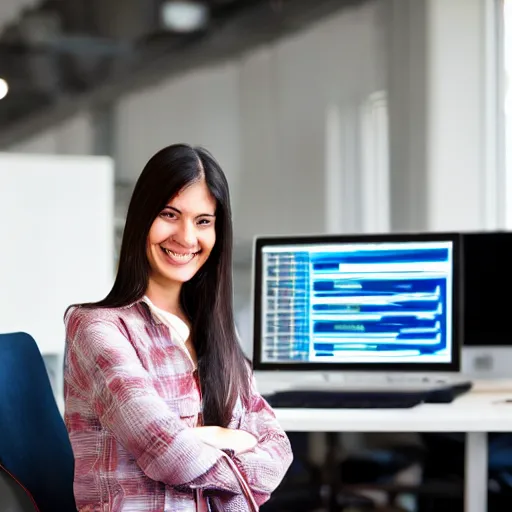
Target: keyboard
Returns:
[[371, 398]]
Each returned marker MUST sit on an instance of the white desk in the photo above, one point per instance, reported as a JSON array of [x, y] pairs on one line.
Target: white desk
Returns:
[[476, 413]]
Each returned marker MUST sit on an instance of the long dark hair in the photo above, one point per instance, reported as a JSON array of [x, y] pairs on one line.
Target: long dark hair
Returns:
[[207, 299]]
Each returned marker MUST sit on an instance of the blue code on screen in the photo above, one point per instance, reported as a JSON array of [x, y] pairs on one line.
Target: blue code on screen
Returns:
[[357, 302]]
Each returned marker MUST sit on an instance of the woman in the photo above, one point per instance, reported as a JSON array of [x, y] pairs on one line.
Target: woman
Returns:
[[160, 404]]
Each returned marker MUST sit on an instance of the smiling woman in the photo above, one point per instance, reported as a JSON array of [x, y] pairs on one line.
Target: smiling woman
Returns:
[[160, 403], [180, 241]]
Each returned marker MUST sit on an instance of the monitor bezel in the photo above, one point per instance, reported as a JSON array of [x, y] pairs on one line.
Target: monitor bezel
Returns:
[[457, 306]]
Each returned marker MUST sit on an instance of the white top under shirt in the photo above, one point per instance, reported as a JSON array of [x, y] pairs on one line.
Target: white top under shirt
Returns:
[[178, 328]]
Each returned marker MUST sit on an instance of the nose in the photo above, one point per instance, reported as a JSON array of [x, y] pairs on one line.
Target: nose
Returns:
[[187, 234]]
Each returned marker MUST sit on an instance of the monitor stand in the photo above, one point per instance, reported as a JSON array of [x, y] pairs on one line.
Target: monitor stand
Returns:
[[272, 381], [381, 378]]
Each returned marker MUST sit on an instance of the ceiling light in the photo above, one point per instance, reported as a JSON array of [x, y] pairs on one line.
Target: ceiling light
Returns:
[[184, 15], [4, 88]]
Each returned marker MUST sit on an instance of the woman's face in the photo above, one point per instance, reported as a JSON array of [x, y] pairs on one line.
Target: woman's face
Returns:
[[182, 236]]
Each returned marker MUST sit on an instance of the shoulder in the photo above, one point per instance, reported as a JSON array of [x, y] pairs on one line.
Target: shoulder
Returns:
[[102, 334], [77, 316], [80, 318]]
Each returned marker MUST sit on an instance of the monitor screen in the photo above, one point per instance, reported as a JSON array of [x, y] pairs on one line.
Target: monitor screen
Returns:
[[356, 302]]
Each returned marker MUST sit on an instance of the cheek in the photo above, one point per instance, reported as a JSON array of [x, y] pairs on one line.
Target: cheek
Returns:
[[158, 233], [208, 241]]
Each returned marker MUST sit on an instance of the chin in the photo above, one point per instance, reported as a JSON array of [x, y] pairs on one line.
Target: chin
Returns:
[[182, 276], [181, 279]]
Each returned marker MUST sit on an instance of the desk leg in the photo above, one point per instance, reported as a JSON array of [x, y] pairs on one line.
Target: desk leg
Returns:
[[476, 477]]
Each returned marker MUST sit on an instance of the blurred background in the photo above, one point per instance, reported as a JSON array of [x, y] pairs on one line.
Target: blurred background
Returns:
[[328, 116]]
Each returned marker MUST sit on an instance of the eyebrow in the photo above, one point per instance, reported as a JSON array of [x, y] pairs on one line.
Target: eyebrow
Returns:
[[169, 207]]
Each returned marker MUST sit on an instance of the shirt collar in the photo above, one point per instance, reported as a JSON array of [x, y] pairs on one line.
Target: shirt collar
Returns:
[[160, 317], [145, 303], [175, 323]]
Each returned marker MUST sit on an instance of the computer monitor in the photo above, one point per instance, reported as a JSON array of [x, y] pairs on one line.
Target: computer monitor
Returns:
[[487, 277], [369, 302]]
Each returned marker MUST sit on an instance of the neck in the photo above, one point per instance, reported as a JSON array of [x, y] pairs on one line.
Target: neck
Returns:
[[165, 296]]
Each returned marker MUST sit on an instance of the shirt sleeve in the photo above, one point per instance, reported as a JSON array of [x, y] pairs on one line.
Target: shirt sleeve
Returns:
[[265, 466], [102, 364]]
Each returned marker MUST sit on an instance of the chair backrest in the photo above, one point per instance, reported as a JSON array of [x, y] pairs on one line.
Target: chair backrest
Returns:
[[34, 443]]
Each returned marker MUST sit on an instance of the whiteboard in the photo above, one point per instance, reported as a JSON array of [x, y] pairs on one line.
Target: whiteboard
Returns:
[[56, 240]]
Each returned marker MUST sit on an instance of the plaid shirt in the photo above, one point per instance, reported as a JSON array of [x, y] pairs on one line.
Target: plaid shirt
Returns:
[[131, 402]]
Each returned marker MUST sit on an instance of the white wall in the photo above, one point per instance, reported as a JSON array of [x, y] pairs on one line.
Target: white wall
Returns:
[[57, 233], [445, 108], [264, 118], [71, 137], [458, 176], [287, 91], [406, 32]]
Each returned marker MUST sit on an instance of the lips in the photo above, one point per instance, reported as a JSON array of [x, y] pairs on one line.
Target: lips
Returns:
[[179, 258]]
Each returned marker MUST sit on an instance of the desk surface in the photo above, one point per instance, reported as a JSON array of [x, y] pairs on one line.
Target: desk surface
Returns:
[[482, 410]]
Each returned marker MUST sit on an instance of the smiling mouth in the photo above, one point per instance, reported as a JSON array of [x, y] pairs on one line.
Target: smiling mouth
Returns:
[[180, 257]]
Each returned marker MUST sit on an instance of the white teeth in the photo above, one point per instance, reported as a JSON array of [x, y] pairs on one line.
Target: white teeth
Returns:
[[179, 256]]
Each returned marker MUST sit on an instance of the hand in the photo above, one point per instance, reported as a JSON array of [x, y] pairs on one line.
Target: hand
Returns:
[[227, 439]]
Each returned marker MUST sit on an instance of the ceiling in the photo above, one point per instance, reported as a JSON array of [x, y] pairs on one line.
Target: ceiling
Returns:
[[10, 10], [62, 55]]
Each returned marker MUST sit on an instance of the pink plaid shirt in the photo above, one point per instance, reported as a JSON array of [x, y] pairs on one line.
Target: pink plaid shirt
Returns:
[[131, 400]]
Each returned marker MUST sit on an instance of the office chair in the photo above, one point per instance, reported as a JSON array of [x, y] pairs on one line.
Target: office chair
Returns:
[[13, 498], [34, 444]]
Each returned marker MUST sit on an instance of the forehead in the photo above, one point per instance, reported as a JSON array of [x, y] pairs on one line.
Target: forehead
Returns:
[[195, 198]]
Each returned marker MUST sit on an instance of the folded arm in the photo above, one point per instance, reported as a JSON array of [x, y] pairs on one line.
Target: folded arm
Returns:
[[103, 365], [265, 466]]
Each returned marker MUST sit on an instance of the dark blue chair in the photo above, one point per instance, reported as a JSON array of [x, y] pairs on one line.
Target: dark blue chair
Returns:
[[34, 444]]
